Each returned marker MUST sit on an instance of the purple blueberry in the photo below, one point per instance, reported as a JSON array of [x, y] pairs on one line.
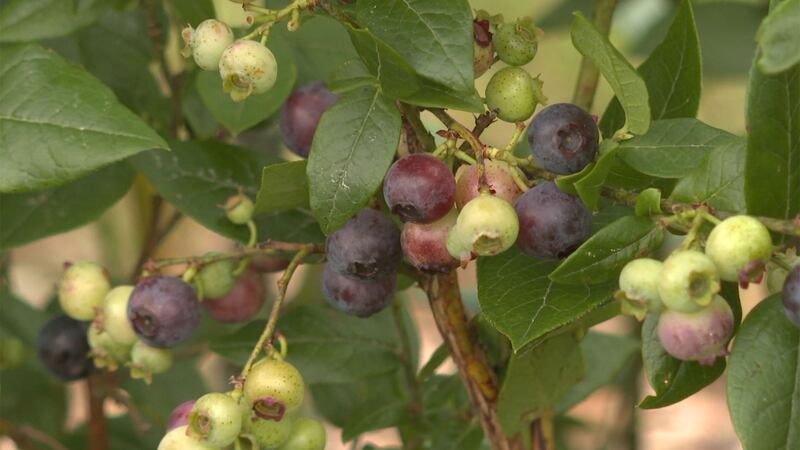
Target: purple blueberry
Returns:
[[563, 138], [419, 188], [791, 295], [63, 349], [361, 298], [164, 311], [366, 247], [301, 114], [552, 223], [699, 336]]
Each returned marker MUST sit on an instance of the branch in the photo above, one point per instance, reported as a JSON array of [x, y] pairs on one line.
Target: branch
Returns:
[[417, 137], [283, 283], [156, 34], [269, 248], [479, 379], [23, 434], [98, 434], [588, 76]]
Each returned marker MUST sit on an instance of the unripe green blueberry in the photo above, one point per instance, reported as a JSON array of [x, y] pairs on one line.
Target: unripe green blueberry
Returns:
[[104, 350], [516, 43], [247, 67], [215, 420], [239, 209], [487, 225], [207, 42], [177, 439], [273, 388], [12, 353], [215, 279], [698, 336], [689, 281], [271, 434], [82, 288], [513, 94], [735, 242], [307, 434], [114, 315], [147, 361], [638, 284]]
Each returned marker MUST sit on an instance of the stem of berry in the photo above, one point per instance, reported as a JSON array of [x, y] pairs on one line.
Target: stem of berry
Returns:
[[283, 283], [464, 133], [588, 76]]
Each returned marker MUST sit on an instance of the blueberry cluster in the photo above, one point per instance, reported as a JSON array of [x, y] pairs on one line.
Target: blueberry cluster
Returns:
[[247, 67], [136, 326], [264, 412], [695, 323]]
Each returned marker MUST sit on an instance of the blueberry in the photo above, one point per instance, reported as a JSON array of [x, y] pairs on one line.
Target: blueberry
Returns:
[[361, 298], [366, 247], [163, 310], [63, 349], [419, 188], [791, 295], [563, 138], [301, 113]]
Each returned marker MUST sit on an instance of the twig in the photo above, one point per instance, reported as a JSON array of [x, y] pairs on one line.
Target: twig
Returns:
[[479, 379], [471, 139], [283, 283], [22, 434], [156, 34], [98, 434], [417, 137], [415, 408], [588, 75], [269, 248], [151, 234]]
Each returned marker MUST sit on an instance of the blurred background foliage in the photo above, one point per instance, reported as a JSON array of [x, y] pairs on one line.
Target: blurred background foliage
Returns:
[[727, 30]]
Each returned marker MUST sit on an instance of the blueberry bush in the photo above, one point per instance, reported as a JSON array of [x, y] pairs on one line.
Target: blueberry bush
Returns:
[[347, 138]]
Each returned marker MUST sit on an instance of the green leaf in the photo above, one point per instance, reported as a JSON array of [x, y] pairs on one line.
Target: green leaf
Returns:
[[606, 356], [283, 186], [764, 379], [779, 38], [169, 389], [590, 185], [772, 168], [327, 346], [353, 147], [395, 74], [626, 83], [672, 73], [673, 147], [112, 50], [436, 38], [318, 47], [28, 216], [537, 379], [366, 405], [58, 123], [648, 203], [32, 20], [239, 116], [198, 177], [602, 257], [193, 11], [672, 379], [350, 75], [718, 180], [443, 424], [20, 319], [398, 78], [519, 299], [33, 397]]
